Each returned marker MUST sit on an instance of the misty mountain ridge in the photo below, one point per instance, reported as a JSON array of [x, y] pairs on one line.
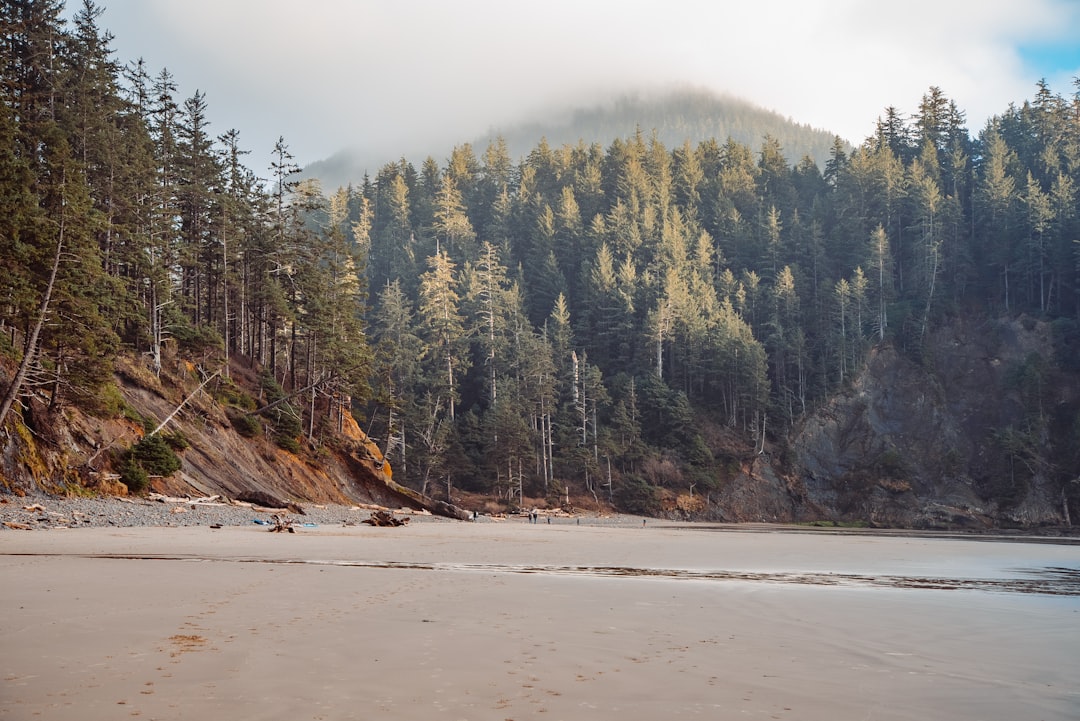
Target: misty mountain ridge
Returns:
[[675, 117]]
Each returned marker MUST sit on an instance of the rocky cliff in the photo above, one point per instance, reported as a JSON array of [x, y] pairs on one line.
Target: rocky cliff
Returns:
[[979, 430]]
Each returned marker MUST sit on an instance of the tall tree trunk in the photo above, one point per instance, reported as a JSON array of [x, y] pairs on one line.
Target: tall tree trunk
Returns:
[[155, 328], [30, 348], [311, 374]]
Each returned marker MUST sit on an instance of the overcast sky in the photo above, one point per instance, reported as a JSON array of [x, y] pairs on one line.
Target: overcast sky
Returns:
[[396, 74]]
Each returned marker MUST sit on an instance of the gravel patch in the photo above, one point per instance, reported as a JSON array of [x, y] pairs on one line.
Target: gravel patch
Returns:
[[41, 512]]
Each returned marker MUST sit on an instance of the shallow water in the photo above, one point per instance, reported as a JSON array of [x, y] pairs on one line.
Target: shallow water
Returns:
[[1025, 569]]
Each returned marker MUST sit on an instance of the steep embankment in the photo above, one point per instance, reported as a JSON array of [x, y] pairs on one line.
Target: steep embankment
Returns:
[[67, 449]]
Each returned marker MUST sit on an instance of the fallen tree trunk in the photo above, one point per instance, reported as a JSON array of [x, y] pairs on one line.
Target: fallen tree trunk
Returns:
[[438, 508], [261, 498]]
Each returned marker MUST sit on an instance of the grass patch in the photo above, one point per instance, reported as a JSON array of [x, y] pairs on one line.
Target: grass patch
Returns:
[[76, 490]]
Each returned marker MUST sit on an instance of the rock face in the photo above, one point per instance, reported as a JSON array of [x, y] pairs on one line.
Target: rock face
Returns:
[[53, 451], [945, 440]]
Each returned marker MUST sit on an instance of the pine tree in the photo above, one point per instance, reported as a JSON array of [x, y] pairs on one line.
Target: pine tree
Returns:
[[59, 287], [927, 202], [393, 243], [783, 345], [398, 350], [443, 330], [842, 313], [453, 231], [995, 214], [1038, 216], [487, 294], [880, 264], [198, 175]]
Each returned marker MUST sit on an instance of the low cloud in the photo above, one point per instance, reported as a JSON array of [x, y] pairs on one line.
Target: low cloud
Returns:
[[332, 74]]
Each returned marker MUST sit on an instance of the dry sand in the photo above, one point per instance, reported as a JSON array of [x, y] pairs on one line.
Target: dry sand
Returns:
[[519, 621]]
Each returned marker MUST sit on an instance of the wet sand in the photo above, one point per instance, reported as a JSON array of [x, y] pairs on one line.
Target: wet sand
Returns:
[[519, 621]]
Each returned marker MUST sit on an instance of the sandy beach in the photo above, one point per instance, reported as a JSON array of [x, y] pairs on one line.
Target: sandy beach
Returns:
[[519, 621]]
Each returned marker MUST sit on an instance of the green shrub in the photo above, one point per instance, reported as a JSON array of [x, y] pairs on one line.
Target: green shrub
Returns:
[[230, 394], [107, 402], [635, 495], [133, 415], [245, 424], [196, 339], [155, 456], [289, 443], [133, 476], [890, 464], [284, 418], [176, 440]]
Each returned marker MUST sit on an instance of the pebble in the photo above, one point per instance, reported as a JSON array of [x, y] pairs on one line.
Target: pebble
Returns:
[[41, 512]]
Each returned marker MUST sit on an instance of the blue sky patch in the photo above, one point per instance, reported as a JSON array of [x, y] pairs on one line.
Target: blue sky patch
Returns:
[[1050, 60]]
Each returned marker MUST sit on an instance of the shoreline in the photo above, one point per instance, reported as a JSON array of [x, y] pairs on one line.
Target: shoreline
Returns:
[[41, 511]]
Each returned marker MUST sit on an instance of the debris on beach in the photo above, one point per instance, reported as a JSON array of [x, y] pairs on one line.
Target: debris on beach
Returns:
[[261, 502], [533, 515], [384, 518], [281, 525], [200, 501]]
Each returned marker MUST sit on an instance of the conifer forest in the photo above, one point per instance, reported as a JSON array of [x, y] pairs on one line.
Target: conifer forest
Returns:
[[608, 319]]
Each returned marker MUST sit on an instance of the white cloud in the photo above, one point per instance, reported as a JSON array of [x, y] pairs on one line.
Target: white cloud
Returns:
[[328, 74]]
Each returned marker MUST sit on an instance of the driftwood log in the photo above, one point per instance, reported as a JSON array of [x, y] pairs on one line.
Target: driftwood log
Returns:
[[261, 498], [384, 518], [281, 525]]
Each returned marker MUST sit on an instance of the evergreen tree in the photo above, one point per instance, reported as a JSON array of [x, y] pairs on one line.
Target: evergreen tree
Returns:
[[198, 175], [783, 345], [397, 373], [443, 330], [880, 264], [453, 231], [927, 204]]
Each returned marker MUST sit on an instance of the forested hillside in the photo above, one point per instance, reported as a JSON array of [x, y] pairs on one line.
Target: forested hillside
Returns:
[[671, 117], [610, 320]]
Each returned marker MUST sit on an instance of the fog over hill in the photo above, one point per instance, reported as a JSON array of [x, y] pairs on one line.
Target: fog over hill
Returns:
[[675, 117]]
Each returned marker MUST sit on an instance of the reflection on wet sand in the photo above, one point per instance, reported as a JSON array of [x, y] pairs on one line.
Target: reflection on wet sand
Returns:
[[1050, 581]]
